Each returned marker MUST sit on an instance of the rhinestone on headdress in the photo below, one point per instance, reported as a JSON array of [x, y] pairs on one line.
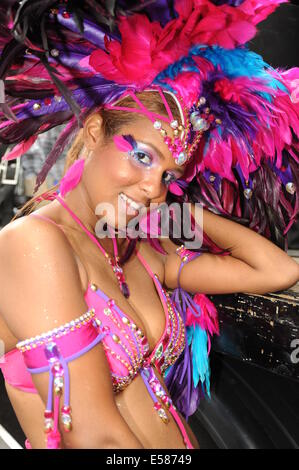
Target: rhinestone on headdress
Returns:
[[54, 52], [290, 187], [248, 193], [157, 125], [198, 123]]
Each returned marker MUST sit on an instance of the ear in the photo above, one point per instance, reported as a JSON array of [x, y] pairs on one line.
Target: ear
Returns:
[[93, 133]]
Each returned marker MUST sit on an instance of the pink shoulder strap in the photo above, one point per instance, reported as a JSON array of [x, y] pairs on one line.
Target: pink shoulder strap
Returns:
[[145, 264], [186, 256]]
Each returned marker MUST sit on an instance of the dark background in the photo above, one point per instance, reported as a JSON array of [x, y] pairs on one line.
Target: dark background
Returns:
[[278, 43], [278, 37]]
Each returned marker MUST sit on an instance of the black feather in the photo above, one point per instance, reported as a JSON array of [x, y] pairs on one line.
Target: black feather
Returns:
[[44, 36], [63, 90], [16, 133], [8, 113], [110, 7], [77, 13], [28, 15], [9, 54]]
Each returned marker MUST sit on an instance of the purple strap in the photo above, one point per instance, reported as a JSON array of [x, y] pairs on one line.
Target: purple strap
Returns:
[[70, 358], [50, 392], [145, 380], [64, 362]]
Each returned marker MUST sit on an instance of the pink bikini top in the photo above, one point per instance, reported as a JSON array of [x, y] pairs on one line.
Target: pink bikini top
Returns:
[[125, 344]]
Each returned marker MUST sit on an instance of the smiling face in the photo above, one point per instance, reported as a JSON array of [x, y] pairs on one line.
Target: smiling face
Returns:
[[142, 174]]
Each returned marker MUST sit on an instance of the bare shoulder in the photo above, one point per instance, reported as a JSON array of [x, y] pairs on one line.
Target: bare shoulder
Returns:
[[39, 277], [33, 242]]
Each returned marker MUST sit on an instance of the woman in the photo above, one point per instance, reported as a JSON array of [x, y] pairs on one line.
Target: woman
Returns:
[[110, 370]]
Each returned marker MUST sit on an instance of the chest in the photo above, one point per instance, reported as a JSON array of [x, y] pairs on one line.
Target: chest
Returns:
[[126, 342], [144, 305]]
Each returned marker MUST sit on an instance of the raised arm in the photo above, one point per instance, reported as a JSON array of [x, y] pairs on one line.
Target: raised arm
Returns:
[[41, 291], [255, 264]]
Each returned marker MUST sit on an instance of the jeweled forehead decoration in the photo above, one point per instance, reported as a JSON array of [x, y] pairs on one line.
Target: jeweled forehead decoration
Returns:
[[187, 132], [178, 144]]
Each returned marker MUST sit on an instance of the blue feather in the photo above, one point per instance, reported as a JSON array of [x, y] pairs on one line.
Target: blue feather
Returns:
[[233, 63], [239, 62], [200, 360]]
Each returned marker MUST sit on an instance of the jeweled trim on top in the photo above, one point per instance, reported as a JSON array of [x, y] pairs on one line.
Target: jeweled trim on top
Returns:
[[43, 338]]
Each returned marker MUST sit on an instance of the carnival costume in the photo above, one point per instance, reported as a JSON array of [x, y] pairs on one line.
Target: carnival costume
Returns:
[[237, 137]]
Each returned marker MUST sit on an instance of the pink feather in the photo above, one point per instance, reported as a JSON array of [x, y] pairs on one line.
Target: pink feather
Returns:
[[208, 319], [20, 149], [72, 177], [5, 123], [122, 144], [175, 189]]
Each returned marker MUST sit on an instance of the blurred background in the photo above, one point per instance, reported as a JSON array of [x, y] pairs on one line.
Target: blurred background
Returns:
[[19, 176]]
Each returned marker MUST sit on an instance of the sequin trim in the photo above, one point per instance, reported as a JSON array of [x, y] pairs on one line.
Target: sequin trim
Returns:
[[44, 338]]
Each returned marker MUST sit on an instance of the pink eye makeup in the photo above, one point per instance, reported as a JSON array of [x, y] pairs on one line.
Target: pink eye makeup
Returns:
[[143, 156]]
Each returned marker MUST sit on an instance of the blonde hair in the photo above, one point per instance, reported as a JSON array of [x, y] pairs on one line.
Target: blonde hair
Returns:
[[113, 121]]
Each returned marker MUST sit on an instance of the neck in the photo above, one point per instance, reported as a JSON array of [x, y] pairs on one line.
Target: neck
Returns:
[[107, 244], [79, 202]]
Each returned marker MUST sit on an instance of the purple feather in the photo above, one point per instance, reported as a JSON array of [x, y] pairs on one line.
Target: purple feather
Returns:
[[131, 141], [94, 91], [235, 119], [16, 132], [124, 143], [159, 10], [231, 3], [92, 32]]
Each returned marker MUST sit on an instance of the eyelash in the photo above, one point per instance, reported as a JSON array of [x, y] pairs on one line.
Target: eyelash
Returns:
[[139, 152], [134, 153], [173, 178]]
